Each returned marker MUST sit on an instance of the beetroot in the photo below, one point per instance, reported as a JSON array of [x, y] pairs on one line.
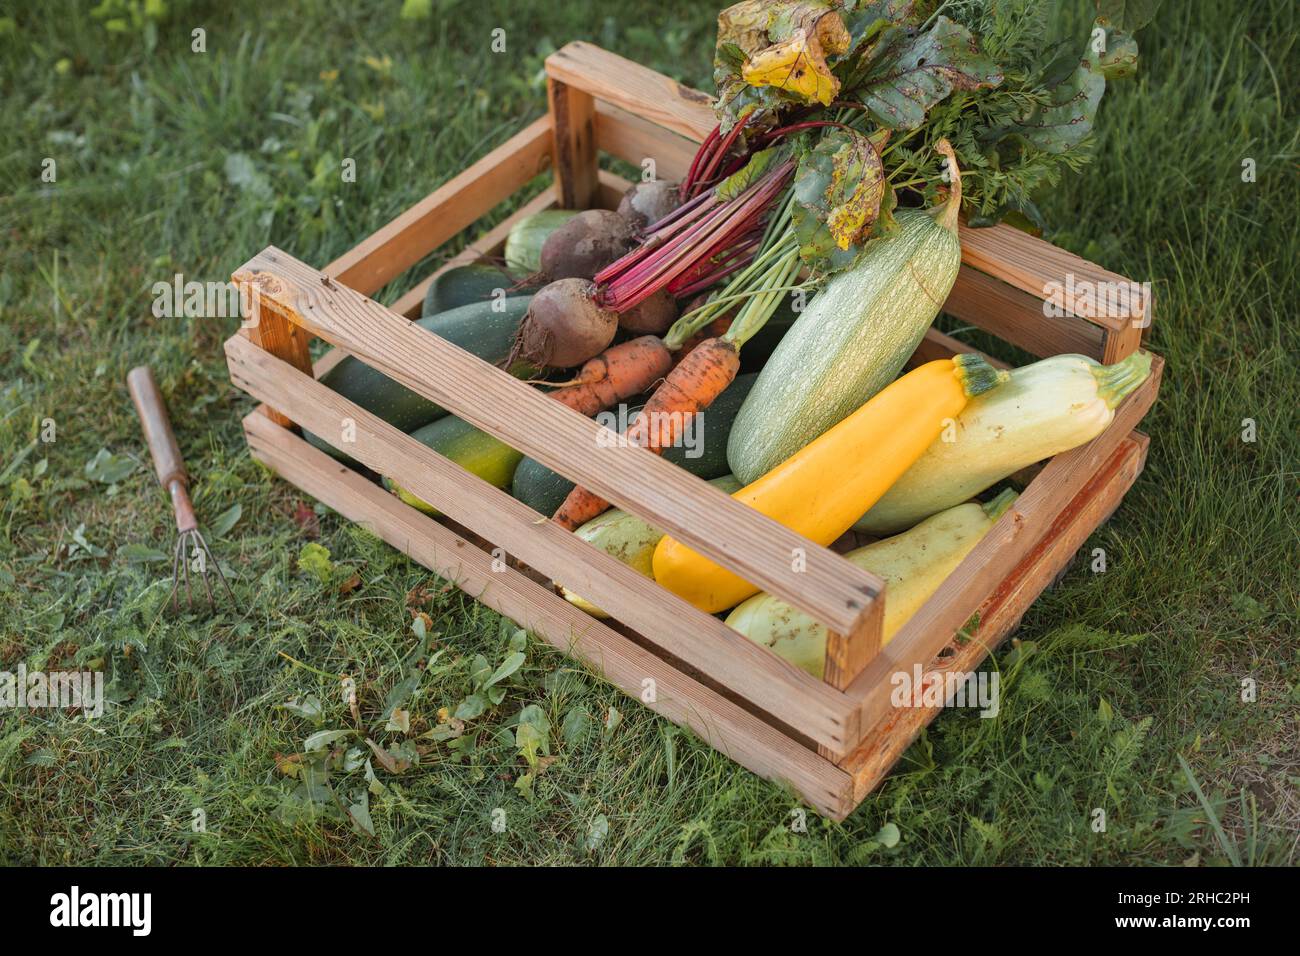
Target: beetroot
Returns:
[[564, 326], [648, 202], [652, 316], [585, 244]]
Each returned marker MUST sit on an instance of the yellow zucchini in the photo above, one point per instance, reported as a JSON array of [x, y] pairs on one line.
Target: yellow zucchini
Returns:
[[912, 564], [828, 484], [630, 539]]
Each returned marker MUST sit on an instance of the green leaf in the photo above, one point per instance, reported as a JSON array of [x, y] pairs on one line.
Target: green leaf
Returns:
[[471, 707], [838, 189], [508, 667], [315, 560], [227, 519], [907, 72], [359, 810], [309, 707], [1075, 88], [141, 554], [108, 468], [888, 836], [576, 727], [323, 738], [416, 10], [1128, 15], [746, 176]]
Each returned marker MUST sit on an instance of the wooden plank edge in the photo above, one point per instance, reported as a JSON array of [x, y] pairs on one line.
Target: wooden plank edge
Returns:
[[723, 725], [439, 216]]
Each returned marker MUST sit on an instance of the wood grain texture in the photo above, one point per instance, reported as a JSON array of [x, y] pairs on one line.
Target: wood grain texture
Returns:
[[635, 88], [403, 242], [701, 641], [993, 559], [752, 545], [573, 129], [1032, 265], [631, 138], [1017, 317], [1001, 611], [491, 243], [269, 328], [719, 722]]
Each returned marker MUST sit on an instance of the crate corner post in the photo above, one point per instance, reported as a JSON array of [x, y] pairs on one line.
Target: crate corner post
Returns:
[[267, 326], [573, 128]]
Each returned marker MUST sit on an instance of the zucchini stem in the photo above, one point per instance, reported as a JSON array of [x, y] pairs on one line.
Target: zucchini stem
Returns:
[[1116, 382], [977, 375]]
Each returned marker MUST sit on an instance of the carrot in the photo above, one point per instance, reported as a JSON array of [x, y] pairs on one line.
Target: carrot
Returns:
[[616, 374], [691, 387], [714, 329]]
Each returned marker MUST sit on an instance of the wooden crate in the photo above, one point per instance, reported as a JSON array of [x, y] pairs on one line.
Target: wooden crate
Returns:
[[831, 740]]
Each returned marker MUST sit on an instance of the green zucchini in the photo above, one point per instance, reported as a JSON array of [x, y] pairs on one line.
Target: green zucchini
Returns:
[[543, 490], [851, 341], [469, 284], [476, 451], [487, 329]]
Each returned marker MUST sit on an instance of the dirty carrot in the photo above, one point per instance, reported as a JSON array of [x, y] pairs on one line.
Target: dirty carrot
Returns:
[[691, 387], [616, 374]]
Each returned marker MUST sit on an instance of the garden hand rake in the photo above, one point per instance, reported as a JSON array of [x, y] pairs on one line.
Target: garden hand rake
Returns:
[[172, 476]]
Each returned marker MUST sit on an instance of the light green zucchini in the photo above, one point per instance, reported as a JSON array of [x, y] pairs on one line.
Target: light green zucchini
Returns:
[[851, 341], [912, 564], [1046, 408], [630, 539]]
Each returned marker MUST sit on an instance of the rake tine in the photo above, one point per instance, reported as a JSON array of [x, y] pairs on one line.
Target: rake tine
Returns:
[[217, 564], [189, 591], [176, 569], [208, 559]]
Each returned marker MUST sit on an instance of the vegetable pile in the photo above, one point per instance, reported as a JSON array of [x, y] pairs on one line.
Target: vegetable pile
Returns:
[[818, 221]]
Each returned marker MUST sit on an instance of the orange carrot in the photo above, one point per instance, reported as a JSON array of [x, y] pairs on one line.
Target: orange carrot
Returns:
[[691, 387], [616, 374], [714, 329]]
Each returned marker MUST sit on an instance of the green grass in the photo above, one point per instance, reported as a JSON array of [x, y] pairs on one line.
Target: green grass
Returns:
[[1117, 677]]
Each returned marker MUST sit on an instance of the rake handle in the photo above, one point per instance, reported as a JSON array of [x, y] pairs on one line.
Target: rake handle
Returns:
[[158, 435]]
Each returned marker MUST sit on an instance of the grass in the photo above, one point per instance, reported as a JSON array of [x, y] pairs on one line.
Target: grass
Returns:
[[1124, 691]]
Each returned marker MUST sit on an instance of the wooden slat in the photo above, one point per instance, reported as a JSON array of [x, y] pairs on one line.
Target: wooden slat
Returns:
[[1031, 265], [437, 217], [491, 243], [631, 138], [1018, 317], [993, 559], [937, 345], [722, 724], [831, 589], [702, 642], [635, 88], [270, 329], [999, 615], [573, 129]]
